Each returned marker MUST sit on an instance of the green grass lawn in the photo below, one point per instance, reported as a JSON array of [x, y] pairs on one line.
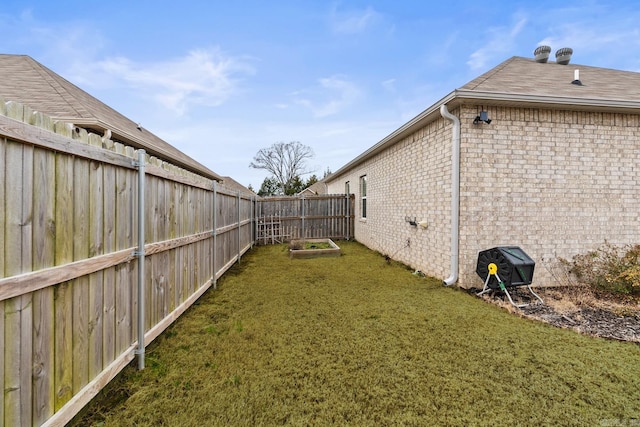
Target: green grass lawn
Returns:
[[358, 341]]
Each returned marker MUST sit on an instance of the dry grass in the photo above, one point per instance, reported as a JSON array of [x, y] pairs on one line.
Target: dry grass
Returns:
[[357, 340]]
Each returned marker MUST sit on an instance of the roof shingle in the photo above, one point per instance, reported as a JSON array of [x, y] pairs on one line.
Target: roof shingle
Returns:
[[524, 76], [26, 81]]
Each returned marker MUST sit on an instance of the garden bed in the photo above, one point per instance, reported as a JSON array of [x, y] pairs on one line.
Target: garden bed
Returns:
[[313, 248]]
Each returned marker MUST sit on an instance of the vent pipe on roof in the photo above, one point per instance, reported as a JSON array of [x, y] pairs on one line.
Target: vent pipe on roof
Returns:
[[542, 54], [563, 56]]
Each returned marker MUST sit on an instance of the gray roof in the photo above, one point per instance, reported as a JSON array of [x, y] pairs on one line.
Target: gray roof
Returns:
[[28, 82], [233, 185], [524, 76], [523, 82]]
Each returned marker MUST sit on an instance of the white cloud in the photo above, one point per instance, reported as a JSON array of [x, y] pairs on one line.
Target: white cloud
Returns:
[[201, 78], [352, 22], [499, 42], [334, 93], [589, 38], [57, 41]]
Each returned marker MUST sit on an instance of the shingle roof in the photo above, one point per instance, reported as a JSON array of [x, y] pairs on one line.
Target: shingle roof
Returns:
[[26, 81], [233, 185], [525, 76], [523, 82]]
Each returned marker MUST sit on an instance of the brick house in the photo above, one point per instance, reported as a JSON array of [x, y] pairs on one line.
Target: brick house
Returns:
[[548, 160]]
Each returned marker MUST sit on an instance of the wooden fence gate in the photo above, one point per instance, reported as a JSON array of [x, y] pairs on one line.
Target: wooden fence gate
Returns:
[[285, 218]]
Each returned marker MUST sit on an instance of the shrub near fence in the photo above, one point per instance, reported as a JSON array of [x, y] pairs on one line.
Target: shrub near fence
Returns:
[[69, 258]]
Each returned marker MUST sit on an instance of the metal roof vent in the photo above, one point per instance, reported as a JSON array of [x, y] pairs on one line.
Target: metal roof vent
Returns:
[[563, 56], [542, 53]]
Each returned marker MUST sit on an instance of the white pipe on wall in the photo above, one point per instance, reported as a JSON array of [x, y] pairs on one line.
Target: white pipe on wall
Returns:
[[455, 194]]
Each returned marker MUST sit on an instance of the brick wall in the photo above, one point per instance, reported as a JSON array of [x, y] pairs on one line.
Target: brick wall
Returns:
[[411, 179], [556, 183]]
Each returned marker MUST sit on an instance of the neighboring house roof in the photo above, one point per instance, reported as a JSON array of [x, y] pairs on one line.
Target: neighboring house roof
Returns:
[[307, 192], [319, 187], [523, 82], [233, 185], [28, 82]]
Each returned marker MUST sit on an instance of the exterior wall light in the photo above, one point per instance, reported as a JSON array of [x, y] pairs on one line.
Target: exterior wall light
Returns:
[[482, 117]]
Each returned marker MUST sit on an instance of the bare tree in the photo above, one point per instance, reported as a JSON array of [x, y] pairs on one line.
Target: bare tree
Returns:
[[285, 161]]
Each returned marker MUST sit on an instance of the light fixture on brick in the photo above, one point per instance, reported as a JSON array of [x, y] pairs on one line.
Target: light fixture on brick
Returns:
[[483, 116]]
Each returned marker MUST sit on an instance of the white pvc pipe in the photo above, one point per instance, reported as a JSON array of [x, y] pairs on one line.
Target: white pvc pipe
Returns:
[[455, 194], [140, 253]]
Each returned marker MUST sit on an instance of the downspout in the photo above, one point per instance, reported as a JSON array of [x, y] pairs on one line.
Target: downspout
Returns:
[[455, 194]]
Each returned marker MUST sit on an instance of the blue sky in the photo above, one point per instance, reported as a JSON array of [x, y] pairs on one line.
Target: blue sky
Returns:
[[219, 80]]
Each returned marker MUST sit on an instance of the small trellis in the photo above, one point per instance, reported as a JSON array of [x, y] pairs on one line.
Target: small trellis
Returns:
[[269, 230]]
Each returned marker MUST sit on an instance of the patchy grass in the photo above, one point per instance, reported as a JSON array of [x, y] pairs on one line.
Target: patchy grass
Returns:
[[317, 245], [357, 340]]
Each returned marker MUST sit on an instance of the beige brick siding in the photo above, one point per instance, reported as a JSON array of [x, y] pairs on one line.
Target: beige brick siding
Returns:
[[555, 183], [410, 179]]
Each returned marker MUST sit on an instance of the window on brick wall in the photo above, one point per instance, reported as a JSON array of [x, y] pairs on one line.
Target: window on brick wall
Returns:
[[363, 196], [347, 189]]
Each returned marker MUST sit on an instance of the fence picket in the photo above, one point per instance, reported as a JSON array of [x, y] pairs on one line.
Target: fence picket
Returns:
[[68, 298], [324, 216]]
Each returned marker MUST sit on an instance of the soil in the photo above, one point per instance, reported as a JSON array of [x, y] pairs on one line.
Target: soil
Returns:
[[577, 308]]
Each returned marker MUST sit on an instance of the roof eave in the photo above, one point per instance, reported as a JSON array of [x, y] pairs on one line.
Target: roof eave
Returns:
[[458, 97], [408, 128], [510, 99]]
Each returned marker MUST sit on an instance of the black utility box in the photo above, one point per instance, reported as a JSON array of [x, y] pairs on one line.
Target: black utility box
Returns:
[[513, 266]]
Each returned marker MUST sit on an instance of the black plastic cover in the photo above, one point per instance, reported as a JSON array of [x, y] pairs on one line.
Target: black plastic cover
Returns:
[[514, 266]]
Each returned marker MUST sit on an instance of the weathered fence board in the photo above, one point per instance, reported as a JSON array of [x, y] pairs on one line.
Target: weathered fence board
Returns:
[[43, 305], [327, 216], [68, 240], [68, 268]]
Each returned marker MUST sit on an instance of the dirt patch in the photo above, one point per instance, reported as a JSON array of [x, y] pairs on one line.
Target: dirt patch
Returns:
[[578, 308]]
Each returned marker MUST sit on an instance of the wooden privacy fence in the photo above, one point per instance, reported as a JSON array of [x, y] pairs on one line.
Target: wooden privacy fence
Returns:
[[285, 218], [71, 221]]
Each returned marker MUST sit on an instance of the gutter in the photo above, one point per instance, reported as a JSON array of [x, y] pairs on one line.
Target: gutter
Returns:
[[460, 96], [455, 194]]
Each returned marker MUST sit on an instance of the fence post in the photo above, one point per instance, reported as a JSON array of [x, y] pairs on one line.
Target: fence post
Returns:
[[215, 233], [239, 228], [347, 219], [253, 221], [140, 254], [302, 230]]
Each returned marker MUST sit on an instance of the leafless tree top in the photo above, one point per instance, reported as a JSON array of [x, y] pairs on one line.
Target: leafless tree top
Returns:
[[285, 161]]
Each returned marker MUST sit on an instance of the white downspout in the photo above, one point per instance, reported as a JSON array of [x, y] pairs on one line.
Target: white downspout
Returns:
[[455, 194]]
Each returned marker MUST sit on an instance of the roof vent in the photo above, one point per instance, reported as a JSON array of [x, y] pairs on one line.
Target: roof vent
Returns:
[[542, 53], [563, 56]]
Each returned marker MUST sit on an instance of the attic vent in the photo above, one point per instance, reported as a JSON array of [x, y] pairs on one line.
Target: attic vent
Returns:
[[542, 53], [563, 56]]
